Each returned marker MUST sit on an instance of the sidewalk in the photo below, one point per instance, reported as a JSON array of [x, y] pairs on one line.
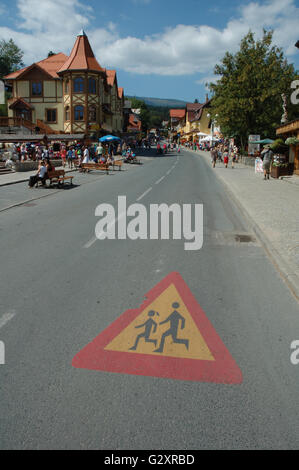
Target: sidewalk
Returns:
[[23, 176], [272, 208]]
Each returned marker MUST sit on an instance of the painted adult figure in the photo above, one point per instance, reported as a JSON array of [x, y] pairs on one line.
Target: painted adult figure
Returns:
[[150, 327], [175, 319]]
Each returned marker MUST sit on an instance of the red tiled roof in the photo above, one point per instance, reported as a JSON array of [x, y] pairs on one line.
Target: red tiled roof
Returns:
[[120, 92], [50, 65], [193, 106], [134, 122], [177, 113], [111, 76], [21, 101], [82, 57]]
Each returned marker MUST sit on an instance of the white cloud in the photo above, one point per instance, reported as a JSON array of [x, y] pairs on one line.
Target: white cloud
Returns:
[[181, 50]]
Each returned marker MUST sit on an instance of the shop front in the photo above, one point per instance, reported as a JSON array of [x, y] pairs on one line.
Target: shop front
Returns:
[[290, 133]]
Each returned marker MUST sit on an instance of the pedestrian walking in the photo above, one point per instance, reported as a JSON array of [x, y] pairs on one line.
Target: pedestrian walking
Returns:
[[225, 158], [213, 157], [69, 155], [63, 156], [86, 155], [233, 160], [267, 157]]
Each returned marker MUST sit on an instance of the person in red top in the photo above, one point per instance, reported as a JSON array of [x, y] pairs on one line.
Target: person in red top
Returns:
[[63, 155], [225, 157]]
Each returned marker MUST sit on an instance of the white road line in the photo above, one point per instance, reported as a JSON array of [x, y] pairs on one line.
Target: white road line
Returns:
[[94, 239], [121, 216], [144, 194], [159, 181], [6, 318], [168, 172], [91, 242]]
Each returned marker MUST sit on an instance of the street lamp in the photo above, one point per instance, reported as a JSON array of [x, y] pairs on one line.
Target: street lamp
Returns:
[[212, 124]]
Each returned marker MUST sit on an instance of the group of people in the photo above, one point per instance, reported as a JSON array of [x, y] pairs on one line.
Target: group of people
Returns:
[[167, 147], [224, 153], [84, 154], [28, 151]]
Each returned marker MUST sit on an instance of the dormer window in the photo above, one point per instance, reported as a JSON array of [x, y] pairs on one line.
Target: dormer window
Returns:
[[79, 85]]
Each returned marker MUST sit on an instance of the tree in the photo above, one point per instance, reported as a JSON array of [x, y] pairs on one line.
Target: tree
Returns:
[[151, 116], [196, 100], [144, 112], [10, 57], [247, 97]]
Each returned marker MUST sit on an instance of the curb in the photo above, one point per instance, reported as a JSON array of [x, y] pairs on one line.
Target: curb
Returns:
[[27, 201], [284, 269]]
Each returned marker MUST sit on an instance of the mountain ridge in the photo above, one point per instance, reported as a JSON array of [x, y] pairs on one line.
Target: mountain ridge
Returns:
[[163, 102]]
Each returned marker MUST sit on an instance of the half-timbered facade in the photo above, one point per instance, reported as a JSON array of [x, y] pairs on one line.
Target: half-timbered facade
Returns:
[[68, 94]]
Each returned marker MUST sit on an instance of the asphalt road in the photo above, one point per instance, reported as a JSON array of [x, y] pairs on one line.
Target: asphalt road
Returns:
[[60, 288]]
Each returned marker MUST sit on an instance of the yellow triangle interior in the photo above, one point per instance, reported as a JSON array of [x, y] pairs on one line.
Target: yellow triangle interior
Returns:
[[186, 342]]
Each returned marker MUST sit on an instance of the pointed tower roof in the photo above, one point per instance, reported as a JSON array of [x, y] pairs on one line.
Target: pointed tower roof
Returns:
[[82, 56]]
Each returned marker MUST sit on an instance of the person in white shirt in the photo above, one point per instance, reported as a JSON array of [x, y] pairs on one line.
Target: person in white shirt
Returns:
[[41, 175], [86, 155], [99, 150]]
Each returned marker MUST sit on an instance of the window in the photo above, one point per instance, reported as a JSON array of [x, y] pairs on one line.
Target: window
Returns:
[[67, 113], [66, 87], [92, 86], [51, 115], [79, 85], [79, 113], [92, 114], [36, 88]]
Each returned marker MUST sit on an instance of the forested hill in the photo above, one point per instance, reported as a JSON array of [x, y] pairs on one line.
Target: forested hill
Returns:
[[159, 102]]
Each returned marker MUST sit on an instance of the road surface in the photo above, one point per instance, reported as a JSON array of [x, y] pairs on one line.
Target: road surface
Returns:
[[60, 288]]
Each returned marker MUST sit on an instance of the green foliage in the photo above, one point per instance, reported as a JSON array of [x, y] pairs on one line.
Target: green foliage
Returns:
[[247, 97], [10, 57], [278, 145], [292, 141], [151, 116], [3, 110]]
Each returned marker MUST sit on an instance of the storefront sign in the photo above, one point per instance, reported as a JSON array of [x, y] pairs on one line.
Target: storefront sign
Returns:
[[252, 148], [259, 165]]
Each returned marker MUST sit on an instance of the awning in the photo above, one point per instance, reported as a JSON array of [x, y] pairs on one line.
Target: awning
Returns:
[[65, 137], [264, 141], [18, 138]]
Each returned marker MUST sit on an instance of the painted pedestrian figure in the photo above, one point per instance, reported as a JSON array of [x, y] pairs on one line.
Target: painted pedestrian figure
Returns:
[[150, 327], [175, 318]]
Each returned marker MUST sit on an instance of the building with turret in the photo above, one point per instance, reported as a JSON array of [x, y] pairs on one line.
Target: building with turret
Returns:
[[71, 95]]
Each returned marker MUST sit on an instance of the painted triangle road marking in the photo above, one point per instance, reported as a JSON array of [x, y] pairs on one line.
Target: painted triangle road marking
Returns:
[[169, 336]]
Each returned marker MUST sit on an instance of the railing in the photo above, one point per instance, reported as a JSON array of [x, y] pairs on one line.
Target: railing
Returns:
[[16, 122]]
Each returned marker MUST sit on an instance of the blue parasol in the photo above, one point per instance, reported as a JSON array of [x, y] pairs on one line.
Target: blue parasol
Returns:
[[109, 138]]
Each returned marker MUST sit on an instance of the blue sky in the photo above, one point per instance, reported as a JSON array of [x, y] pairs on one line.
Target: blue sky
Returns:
[[160, 48]]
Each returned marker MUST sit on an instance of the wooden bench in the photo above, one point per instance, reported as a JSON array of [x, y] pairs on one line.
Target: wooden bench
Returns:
[[117, 163], [95, 166], [58, 176]]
